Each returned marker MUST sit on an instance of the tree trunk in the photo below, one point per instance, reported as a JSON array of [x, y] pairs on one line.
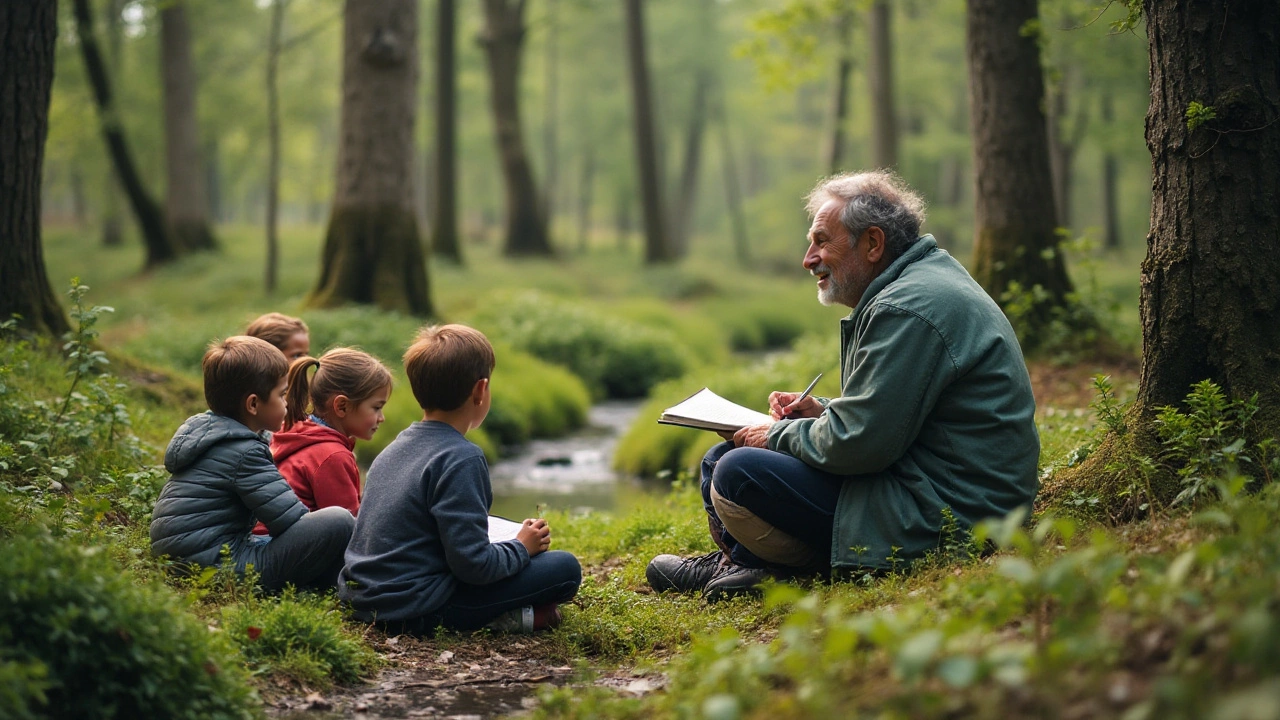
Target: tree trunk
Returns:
[[503, 40], [273, 145], [732, 191], [1211, 279], [372, 251], [658, 247], [1015, 238], [444, 217], [1065, 135], [30, 30], [550, 121], [1110, 175], [586, 185], [884, 121], [685, 201], [155, 234], [840, 91], [186, 198], [112, 230], [623, 200]]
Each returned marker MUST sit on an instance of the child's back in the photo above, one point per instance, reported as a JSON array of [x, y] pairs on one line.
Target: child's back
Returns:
[[223, 477], [423, 527]]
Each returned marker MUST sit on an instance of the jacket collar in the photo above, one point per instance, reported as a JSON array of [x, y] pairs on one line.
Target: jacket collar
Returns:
[[923, 245]]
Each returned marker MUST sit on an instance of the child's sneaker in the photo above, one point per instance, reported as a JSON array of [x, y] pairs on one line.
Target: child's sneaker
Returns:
[[515, 620], [546, 616]]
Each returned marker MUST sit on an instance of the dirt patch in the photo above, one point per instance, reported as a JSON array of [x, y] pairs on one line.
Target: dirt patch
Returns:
[[1071, 386]]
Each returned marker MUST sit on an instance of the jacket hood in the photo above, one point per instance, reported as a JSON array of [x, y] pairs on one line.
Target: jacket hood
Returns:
[[200, 433], [304, 434]]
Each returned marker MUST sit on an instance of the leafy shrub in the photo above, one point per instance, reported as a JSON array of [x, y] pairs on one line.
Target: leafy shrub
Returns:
[[84, 639], [613, 357], [298, 636]]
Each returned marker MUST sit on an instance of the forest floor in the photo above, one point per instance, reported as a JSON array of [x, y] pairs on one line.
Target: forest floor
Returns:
[[483, 675]]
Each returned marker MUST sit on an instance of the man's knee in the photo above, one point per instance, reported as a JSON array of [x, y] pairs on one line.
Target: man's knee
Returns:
[[733, 472], [760, 537]]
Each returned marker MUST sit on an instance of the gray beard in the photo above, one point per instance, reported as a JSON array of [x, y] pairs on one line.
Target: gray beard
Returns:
[[846, 291]]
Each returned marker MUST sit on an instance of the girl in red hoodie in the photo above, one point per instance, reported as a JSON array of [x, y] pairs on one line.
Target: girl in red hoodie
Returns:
[[340, 402]]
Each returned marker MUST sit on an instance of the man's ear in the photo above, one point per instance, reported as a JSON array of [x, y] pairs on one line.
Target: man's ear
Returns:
[[341, 405], [477, 391], [875, 240]]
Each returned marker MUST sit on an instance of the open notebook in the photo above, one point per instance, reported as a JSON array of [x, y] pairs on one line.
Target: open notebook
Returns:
[[708, 411], [501, 529]]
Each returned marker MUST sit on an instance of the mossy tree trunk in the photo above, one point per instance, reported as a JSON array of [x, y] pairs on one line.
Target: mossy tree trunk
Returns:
[[372, 251], [28, 31], [186, 197], [1211, 278], [1015, 238], [503, 41]]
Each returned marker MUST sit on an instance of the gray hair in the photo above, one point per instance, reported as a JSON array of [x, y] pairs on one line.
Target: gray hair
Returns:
[[876, 198]]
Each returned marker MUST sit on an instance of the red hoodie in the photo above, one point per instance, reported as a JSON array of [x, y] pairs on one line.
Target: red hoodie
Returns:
[[320, 466]]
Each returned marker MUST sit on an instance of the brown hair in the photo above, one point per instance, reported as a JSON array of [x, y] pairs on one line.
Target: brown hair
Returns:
[[238, 367], [445, 362], [276, 328], [340, 371]]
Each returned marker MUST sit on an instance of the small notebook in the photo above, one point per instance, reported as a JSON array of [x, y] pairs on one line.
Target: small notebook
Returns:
[[706, 410], [501, 529]]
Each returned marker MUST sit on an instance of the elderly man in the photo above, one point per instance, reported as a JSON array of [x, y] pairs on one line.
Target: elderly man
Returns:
[[934, 418]]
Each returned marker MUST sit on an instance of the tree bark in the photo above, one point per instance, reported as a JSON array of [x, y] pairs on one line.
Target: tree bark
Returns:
[[444, 217], [658, 247], [840, 91], [186, 197], [884, 116], [1015, 238], [372, 251], [1211, 280], [685, 201], [732, 188], [28, 32], [155, 233], [503, 41], [271, 270], [112, 230]]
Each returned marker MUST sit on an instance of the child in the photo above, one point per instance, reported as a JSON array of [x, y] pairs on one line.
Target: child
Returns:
[[289, 334], [420, 556], [346, 396], [223, 477]]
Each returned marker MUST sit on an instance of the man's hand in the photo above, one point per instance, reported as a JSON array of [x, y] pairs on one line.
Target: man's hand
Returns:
[[752, 436], [780, 406], [535, 535]]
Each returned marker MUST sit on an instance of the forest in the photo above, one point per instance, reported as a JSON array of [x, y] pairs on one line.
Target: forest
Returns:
[[614, 193]]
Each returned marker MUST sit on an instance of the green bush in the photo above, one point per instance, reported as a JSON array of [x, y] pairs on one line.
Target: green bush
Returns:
[[83, 639], [298, 636], [615, 358]]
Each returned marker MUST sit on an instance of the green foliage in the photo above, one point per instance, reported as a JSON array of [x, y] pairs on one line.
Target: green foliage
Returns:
[[615, 358], [1210, 441], [299, 636], [1199, 114], [82, 639]]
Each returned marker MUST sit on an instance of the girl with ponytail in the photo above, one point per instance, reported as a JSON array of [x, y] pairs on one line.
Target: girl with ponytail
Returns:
[[328, 409]]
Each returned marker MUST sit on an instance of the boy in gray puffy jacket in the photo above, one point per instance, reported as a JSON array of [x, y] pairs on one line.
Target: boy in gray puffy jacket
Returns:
[[224, 480]]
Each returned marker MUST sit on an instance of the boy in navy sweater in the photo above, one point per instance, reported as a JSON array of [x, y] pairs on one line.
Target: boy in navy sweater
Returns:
[[420, 557]]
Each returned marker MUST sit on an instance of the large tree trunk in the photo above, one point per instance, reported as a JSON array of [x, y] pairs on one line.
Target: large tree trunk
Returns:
[[372, 251], [1211, 279], [155, 233], [186, 197], [884, 121], [658, 246], [1015, 238], [834, 155], [29, 30], [273, 145], [444, 215], [503, 40]]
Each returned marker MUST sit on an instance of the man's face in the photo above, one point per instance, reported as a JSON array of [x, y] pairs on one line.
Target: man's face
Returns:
[[843, 273]]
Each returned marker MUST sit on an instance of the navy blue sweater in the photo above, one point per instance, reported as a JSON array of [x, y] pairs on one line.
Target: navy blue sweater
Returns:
[[423, 527]]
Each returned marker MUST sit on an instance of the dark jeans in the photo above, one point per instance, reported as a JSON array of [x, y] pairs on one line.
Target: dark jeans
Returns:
[[307, 555], [780, 489], [552, 577]]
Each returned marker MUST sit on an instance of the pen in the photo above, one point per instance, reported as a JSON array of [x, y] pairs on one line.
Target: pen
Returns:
[[804, 394]]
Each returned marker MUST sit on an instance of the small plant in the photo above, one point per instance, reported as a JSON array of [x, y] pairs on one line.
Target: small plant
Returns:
[[1198, 114], [1108, 409], [1209, 441]]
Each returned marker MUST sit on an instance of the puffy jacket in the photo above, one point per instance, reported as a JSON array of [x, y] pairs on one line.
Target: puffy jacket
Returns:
[[318, 463], [222, 479]]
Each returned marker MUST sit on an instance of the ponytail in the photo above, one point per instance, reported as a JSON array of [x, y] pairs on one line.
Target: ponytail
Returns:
[[299, 395]]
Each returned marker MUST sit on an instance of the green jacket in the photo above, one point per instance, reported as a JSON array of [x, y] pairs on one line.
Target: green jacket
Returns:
[[935, 412]]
